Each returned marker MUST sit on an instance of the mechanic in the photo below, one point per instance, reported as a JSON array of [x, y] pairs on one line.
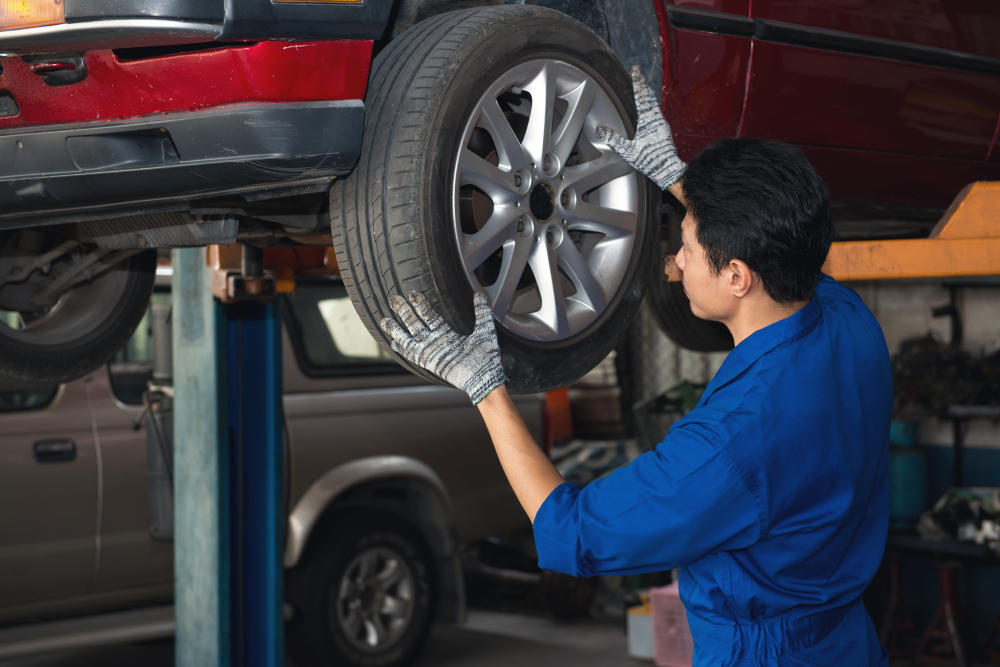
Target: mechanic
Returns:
[[772, 495]]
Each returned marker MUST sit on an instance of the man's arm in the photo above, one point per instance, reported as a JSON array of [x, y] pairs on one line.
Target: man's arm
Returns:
[[529, 471], [473, 363]]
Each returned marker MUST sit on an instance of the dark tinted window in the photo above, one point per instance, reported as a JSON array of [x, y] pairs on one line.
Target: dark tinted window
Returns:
[[328, 335], [33, 399], [15, 401]]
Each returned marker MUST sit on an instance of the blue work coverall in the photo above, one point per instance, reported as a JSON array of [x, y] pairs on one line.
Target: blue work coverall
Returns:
[[771, 496]]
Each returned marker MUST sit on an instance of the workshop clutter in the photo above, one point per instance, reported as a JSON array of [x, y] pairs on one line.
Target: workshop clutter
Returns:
[[929, 376], [967, 515]]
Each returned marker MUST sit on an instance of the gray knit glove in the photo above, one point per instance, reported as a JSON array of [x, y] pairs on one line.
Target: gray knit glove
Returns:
[[652, 151], [471, 362]]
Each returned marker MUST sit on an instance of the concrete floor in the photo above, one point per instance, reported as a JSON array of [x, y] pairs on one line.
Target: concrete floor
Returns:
[[489, 639]]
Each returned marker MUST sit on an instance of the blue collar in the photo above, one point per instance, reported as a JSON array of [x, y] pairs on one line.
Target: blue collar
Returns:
[[762, 341]]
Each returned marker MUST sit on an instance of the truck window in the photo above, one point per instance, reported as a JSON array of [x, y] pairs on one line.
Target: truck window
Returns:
[[327, 334], [30, 399]]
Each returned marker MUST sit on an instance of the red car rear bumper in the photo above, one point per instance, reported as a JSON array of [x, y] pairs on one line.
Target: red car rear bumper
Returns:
[[117, 89]]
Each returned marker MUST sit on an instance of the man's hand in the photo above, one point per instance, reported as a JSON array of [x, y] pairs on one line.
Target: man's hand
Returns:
[[471, 363], [652, 151]]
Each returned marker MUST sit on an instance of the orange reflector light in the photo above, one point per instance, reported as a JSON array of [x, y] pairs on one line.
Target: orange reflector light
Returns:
[[30, 13]]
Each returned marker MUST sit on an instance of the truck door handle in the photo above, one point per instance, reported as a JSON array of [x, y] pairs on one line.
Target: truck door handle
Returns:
[[55, 450]]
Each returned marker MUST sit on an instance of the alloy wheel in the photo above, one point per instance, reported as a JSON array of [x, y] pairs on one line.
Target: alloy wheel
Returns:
[[374, 600], [545, 215]]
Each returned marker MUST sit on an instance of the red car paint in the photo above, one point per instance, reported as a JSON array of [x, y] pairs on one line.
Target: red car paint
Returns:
[[265, 72], [879, 130], [824, 98]]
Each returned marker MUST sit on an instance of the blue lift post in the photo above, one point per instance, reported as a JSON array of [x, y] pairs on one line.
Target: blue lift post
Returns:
[[228, 490]]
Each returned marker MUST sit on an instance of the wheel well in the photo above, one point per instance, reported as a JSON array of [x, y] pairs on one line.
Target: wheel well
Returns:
[[420, 505]]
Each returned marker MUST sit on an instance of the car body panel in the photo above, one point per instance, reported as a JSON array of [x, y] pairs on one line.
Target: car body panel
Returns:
[[269, 71], [908, 125], [824, 97], [960, 25], [48, 511], [128, 558]]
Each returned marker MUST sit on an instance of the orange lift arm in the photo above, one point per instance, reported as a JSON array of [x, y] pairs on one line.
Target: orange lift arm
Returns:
[[966, 242]]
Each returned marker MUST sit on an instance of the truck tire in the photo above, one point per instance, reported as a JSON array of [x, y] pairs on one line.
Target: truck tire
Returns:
[[363, 595], [81, 333], [551, 225]]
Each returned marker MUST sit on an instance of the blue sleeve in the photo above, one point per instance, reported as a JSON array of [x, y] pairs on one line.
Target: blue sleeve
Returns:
[[666, 509]]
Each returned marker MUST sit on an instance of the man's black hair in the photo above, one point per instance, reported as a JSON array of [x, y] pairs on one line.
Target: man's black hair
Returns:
[[761, 201]]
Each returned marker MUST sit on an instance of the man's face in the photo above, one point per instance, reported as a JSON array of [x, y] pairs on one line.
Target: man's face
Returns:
[[710, 294]]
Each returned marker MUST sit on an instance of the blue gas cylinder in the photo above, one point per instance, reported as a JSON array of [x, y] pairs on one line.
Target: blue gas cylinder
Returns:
[[907, 476]]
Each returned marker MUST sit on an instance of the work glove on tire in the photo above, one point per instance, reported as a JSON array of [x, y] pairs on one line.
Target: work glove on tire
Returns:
[[471, 363], [652, 151]]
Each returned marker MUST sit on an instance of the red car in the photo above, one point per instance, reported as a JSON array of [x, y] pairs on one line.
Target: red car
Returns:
[[461, 158]]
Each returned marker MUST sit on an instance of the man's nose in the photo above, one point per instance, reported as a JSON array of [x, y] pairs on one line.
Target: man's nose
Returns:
[[680, 259]]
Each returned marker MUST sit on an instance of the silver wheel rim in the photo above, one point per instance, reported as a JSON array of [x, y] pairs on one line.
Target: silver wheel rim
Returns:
[[579, 252], [374, 600]]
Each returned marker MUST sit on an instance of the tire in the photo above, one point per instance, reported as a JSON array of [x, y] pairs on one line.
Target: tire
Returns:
[[672, 309], [318, 632], [85, 329], [398, 217]]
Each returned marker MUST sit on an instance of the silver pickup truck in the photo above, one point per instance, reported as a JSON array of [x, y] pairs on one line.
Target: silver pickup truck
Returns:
[[385, 475]]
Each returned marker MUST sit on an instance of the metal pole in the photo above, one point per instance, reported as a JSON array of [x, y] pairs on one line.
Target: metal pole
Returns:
[[256, 472], [201, 493]]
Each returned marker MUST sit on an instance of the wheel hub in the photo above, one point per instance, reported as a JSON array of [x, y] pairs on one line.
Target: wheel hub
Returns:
[[374, 601], [545, 215], [542, 201]]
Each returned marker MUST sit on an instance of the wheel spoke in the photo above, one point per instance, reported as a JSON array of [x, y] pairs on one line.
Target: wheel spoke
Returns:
[[509, 149], [611, 222], [390, 574], [499, 229], [474, 170], [394, 607], [553, 311], [515, 258], [375, 633], [581, 99], [538, 136], [589, 175], [587, 289]]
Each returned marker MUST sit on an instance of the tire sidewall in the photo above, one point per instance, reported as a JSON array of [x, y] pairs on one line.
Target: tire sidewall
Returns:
[[530, 365]]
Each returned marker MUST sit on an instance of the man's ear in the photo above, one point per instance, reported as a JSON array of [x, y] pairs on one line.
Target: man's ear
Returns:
[[741, 278]]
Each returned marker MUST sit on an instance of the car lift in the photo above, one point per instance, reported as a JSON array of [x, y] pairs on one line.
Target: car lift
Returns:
[[965, 243], [228, 450]]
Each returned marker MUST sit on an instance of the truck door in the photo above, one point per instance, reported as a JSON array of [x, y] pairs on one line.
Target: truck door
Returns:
[[48, 495]]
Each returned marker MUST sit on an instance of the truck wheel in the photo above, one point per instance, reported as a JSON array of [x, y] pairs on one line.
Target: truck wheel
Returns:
[[363, 595], [79, 330], [479, 171]]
